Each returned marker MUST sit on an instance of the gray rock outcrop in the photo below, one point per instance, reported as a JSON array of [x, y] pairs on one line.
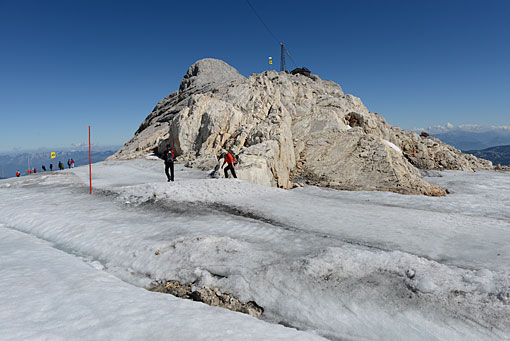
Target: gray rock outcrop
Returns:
[[290, 129], [211, 296]]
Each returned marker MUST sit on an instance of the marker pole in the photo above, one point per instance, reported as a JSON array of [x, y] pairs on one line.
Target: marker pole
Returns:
[[90, 165]]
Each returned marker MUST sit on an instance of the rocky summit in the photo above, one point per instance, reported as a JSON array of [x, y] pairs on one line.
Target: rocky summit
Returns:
[[289, 130]]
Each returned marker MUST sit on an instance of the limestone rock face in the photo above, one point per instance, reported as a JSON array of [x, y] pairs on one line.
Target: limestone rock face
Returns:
[[290, 129], [209, 73], [358, 161]]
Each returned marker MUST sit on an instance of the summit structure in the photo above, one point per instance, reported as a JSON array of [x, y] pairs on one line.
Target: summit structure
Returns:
[[290, 130]]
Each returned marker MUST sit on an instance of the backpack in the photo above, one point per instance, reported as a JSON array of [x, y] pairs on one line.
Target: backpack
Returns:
[[235, 157], [169, 157]]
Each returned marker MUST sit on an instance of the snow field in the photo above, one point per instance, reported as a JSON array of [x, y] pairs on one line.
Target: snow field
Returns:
[[48, 294], [344, 264]]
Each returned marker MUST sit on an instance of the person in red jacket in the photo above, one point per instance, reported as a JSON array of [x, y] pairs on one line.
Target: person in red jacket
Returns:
[[18, 173], [35, 170], [29, 171], [229, 160]]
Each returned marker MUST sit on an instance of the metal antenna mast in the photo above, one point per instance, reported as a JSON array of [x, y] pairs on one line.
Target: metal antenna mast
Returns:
[[283, 50], [282, 60]]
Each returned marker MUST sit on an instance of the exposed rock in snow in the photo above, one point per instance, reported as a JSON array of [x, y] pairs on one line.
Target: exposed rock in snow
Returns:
[[211, 296], [290, 129]]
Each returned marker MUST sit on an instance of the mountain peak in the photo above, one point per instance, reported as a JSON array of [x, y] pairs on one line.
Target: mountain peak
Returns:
[[287, 130], [209, 71]]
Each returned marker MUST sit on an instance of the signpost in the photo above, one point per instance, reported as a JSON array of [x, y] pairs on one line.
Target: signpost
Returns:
[[53, 157], [90, 165]]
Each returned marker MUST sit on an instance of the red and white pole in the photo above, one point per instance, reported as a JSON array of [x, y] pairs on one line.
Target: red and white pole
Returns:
[[90, 165]]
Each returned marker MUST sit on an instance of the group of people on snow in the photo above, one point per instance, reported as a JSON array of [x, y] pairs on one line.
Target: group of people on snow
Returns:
[[225, 156], [70, 164]]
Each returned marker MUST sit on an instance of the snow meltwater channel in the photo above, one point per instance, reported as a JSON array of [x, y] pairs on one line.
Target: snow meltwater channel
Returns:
[[334, 264]]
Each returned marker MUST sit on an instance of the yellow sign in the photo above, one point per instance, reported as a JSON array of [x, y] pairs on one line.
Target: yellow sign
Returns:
[[52, 155], [270, 60]]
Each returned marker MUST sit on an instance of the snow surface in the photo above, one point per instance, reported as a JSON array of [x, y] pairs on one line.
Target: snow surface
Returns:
[[392, 145], [48, 294], [344, 265]]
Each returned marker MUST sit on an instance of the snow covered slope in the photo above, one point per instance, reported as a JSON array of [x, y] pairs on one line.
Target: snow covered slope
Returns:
[[47, 294], [344, 265]]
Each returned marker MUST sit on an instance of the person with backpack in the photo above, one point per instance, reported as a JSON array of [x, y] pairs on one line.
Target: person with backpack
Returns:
[[35, 170], [51, 167], [69, 163], [169, 157], [72, 163], [43, 168], [18, 173], [229, 160]]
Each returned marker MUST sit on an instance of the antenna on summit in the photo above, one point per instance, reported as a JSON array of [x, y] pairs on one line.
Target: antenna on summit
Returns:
[[282, 48], [282, 58]]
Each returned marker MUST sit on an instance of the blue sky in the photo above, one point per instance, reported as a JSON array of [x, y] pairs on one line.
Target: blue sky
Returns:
[[67, 64]]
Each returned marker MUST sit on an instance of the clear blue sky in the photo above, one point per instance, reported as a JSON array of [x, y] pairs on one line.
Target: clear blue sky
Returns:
[[67, 64]]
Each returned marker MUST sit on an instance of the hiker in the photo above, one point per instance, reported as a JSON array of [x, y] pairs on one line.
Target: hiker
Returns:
[[169, 156], [72, 163], [60, 165], [51, 167], [35, 170], [18, 173], [229, 159], [29, 171], [43, 168], [69, 163]]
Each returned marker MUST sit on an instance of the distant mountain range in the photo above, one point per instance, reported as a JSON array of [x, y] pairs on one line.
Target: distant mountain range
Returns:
[[470, 136], [498, 155], [10, 163]]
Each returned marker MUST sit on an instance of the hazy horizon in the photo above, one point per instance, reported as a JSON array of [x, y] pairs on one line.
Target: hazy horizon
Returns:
[[62, 148]]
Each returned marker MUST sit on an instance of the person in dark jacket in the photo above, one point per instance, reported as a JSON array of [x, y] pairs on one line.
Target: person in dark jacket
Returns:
[[51, 167], [229, 159], [169, 156], [43, 168]]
